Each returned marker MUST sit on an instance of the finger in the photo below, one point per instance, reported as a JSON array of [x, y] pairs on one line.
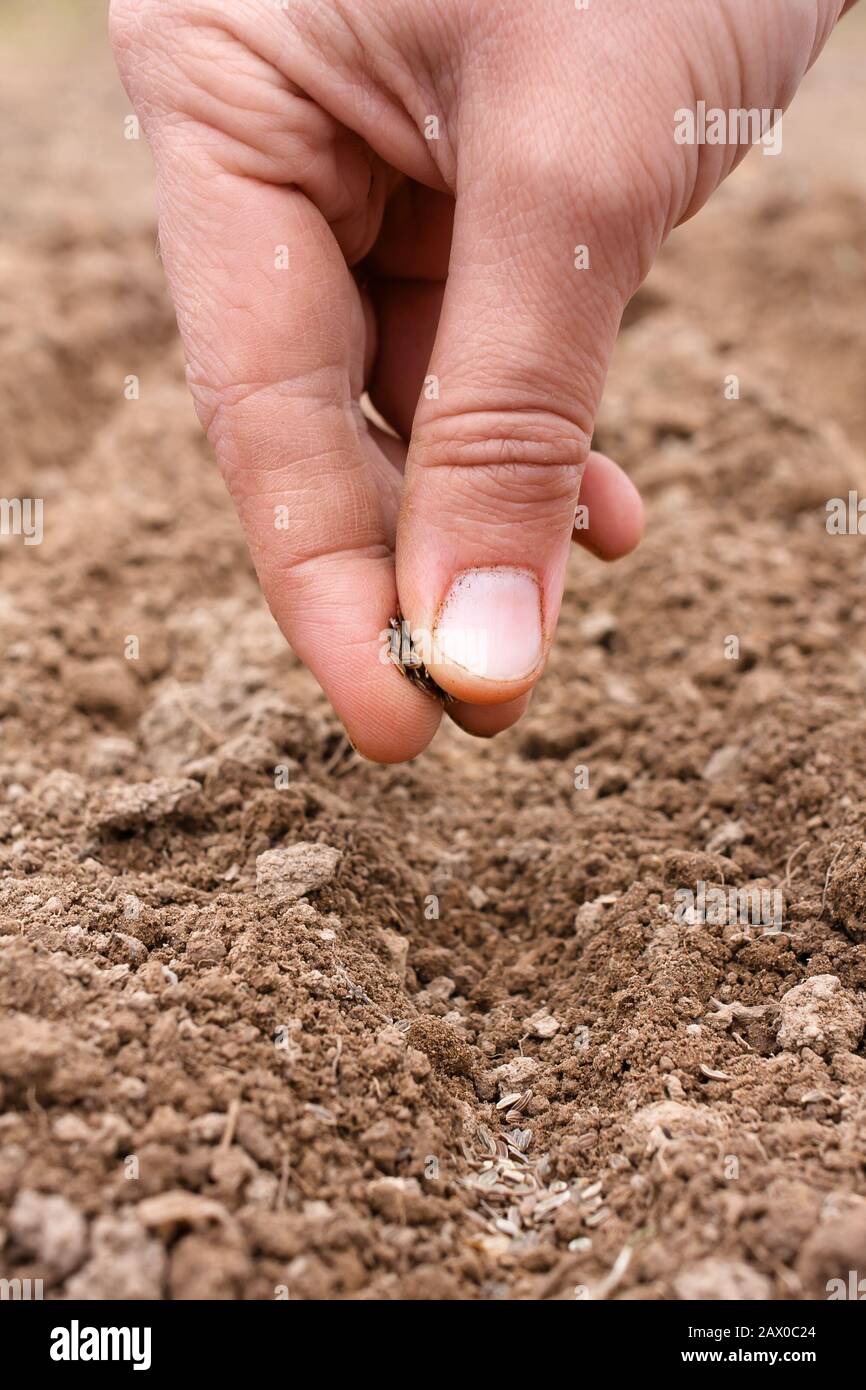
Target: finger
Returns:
[[275, 344], [486, 721], [407, 316], [496, 458], [610, 525], [406, 273], [609, 521]]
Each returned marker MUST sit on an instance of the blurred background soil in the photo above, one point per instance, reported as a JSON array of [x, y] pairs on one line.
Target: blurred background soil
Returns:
[[213, 1088]]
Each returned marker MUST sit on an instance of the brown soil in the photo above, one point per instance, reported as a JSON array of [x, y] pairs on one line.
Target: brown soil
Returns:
[[215, 1092]]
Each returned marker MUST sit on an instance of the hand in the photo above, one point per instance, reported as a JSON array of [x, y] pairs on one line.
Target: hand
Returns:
[[390, 195]]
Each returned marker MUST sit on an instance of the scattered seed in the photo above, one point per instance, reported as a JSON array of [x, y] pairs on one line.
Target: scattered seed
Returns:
[[321, 1113], [715, 1075], [611, 1280], [512, 1175], [590, 1192], [812, 1097], [507, 1101], [548, 1205], [476, 1217], [486, 1139], [491, 1244], [597, 1218], [507, 1228]]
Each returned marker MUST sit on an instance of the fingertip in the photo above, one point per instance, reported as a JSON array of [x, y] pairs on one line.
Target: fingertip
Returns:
[[487, 644], [388, 724], [336, 611], [609, 521], [486, 721]]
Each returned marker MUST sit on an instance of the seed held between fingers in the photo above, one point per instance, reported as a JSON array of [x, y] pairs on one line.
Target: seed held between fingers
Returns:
[[407, 661]]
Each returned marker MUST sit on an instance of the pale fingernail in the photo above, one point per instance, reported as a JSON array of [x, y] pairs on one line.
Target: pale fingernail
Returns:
[[490, 624]]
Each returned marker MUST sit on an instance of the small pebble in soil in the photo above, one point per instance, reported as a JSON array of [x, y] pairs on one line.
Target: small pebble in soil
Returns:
[[292, 871], [820, 1014]]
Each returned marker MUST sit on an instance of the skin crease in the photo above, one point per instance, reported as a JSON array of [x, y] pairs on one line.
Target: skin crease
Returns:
[[317, 245]]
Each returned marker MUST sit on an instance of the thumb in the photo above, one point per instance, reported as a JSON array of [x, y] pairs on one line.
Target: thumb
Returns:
[[502, 433]]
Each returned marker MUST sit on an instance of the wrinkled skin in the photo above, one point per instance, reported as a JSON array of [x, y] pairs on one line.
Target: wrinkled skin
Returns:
[[318, 244]]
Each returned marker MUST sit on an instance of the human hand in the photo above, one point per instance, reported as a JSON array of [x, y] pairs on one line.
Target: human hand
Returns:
[[390, 195]]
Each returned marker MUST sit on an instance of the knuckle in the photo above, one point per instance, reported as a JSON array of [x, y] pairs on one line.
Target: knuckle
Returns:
[[135, 28], [499, 464], [541, 498], [509, 440], [131, 22]]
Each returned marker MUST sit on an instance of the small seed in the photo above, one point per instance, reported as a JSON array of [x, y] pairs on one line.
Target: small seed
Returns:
[[512, 1175], [507, 1228], [508, 1100], [548, 1205], [486, 1139]]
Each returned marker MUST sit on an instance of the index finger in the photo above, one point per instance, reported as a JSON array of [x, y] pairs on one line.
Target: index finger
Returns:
[[273, 328]]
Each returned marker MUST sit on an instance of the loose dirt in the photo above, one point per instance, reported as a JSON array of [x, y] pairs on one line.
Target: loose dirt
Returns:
[[465, 1043]]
